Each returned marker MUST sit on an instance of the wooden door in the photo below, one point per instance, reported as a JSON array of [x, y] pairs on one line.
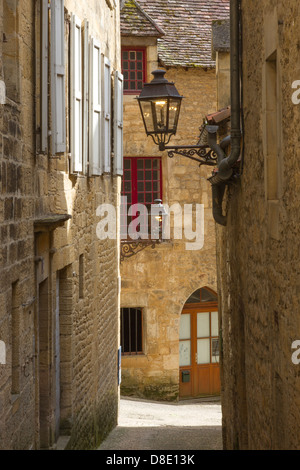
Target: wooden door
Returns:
[[199, 351]]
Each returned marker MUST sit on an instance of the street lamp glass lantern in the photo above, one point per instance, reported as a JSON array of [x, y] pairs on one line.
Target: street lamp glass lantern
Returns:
[[160, 105]]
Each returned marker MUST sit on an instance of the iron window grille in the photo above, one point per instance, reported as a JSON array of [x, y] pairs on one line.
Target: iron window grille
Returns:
[[131, 331]]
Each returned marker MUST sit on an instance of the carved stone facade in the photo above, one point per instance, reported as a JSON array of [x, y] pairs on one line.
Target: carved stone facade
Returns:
[[59, 294]]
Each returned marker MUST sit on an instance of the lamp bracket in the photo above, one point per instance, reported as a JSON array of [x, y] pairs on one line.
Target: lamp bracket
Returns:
[[206, 155], [130, 248]]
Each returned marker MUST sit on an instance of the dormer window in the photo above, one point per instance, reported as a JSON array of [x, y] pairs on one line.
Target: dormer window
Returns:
[[133, 69]]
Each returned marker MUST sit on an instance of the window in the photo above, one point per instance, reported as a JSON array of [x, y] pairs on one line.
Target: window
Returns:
[[10, 44], [106, 107], [50, 60], [76, 96], [199, 338], [207, 338], [142, 184], [133, 69], [131, 331], [85, 98], [89, 89], [95, 163], [43, 67], [58, 105], [202, 295]]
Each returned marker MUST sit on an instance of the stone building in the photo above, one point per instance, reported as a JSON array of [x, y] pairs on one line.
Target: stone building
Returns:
[[168, 288], [259, 248], [60, 159]]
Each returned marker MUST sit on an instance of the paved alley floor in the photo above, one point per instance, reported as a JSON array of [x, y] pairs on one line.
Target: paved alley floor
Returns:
[[187, 425]]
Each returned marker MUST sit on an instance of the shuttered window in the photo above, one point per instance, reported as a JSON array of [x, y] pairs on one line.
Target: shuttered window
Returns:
[[76, 96], [106, 122], [90, 97], [85, 98], [118, 125], [58, 77], [44, 75], [95, 164]]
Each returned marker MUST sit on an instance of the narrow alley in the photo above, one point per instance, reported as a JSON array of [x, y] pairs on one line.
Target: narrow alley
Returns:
[[187, 425], [150, 228]]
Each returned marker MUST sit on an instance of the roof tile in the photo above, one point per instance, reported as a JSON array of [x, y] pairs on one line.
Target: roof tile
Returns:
[[136, 22], [187, 25]]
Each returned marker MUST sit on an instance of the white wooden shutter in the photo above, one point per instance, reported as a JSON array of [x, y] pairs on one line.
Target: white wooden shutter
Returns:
[[95, 164], [44, 74], [118, 124], [76, 96], [106, 122], [85, 95], [58, 105]]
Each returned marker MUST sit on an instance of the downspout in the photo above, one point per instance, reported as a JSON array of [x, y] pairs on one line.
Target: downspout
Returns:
[[225, 164]]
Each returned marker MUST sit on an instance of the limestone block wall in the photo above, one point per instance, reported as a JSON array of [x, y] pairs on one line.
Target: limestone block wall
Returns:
[[57, 286], [17, 420], [223, 78], [258, 252], [161, 280]]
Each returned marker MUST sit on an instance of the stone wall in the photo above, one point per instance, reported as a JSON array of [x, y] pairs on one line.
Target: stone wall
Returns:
[[17, 406], [258, 251], [50, 269], [161, 280], [223, 78]]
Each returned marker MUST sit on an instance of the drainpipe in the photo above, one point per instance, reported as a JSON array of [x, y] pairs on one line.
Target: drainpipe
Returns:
[[225, 164], [218, 191]]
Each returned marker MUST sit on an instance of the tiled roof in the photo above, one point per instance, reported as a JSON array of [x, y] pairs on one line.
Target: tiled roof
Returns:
[[136, 22], [219, 116], [188, 29]]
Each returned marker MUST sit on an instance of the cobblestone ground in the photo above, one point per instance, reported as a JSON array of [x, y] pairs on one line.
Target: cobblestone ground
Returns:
[[188, 425]]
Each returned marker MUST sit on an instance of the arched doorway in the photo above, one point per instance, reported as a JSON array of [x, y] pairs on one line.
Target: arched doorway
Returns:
[[199, 369]]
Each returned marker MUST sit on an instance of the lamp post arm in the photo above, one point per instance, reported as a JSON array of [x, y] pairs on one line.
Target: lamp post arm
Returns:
[[202, 154]]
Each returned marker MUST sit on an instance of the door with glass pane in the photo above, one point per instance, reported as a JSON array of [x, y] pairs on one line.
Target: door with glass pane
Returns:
[[199, 351]]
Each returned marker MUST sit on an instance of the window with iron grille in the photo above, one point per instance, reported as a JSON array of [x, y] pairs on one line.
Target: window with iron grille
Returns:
[[131, 331], [142, 184], [133, 69]]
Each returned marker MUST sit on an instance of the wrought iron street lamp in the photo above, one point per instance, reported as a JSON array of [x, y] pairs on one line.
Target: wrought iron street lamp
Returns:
[[158, 215], [157, 224], [160, 105]]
